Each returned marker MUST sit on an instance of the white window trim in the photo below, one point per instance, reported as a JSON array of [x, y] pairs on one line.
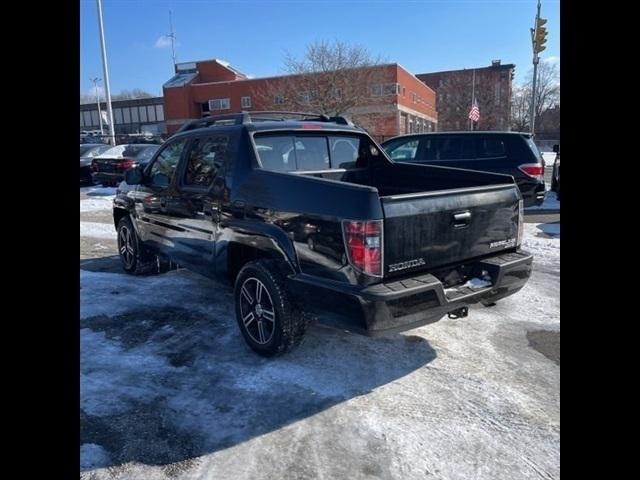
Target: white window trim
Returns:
[[226, 100]]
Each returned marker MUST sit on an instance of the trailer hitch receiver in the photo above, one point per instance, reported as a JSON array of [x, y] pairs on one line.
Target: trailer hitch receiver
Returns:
[[459, 313]]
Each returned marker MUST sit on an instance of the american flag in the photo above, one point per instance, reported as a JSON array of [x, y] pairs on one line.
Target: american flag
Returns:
[[474, 114]]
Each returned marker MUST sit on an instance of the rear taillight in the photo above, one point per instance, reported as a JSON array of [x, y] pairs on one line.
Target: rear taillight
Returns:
[[126, 164], [520, 222], [363, 242], [94, 166], [534, 170]]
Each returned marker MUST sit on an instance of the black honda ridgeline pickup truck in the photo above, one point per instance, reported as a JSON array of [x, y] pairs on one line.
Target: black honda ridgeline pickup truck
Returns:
[[311, 215]]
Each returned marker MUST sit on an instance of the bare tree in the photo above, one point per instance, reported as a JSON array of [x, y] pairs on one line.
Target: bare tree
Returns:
[[547, 99], [520, 109], [330, 78], [123, 95]]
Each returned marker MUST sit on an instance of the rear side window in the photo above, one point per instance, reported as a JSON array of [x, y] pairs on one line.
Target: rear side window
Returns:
[[454, 148], [491, 147], [285, 153], [207, 156]]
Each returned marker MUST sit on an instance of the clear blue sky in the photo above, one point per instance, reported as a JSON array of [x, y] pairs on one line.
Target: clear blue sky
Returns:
[[254, 35]]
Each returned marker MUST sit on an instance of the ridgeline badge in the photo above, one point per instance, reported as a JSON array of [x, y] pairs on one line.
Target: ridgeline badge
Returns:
[[394, 267], [509, 242]]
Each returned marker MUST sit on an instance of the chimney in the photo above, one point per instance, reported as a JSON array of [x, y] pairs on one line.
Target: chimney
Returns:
[[495, 63]]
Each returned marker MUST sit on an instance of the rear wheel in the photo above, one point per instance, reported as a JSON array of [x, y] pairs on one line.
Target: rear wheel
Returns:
[[135, 257], [270, 321]]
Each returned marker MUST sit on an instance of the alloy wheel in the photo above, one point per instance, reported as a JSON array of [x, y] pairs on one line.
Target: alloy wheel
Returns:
[[257, 311]]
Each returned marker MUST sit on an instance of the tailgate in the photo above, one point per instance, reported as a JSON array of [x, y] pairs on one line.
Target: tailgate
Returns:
[[427, 230]]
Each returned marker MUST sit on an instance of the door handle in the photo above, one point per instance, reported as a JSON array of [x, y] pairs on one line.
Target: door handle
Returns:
[[461, 219]]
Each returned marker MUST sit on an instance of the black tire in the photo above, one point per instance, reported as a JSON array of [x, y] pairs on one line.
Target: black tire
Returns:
[[135, 257], [254, 309]]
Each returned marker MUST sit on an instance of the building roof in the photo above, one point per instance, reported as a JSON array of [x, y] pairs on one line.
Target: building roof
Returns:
[[505, 66]]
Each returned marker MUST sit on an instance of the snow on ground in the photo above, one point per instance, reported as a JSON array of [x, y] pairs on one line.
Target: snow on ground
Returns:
[[169, 389], [97, 230], [93, 204], [549, 158]]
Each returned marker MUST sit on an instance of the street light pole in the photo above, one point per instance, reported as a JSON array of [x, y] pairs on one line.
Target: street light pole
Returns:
[[112, 133], [95, 87], [537, 42]]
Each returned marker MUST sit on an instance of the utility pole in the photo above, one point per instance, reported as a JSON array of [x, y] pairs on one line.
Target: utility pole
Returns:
[[112, 127], [95, 87], [538, 40], [172, 36]]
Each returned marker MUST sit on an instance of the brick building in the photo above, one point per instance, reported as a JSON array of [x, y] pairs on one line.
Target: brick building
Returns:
[[397, 103], [493, 89]]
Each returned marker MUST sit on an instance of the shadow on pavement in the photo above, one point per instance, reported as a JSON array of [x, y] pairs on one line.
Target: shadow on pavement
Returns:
[[111, 264], [162, 385]]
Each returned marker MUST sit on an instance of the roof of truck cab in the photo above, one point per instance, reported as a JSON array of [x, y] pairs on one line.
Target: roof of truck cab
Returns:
[[265, 126], [299, 125]]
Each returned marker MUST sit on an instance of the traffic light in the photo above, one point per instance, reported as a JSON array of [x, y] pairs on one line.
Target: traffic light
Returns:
[[540, 35]]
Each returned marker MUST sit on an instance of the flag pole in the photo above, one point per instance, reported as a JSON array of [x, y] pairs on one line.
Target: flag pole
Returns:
[[473, 95]]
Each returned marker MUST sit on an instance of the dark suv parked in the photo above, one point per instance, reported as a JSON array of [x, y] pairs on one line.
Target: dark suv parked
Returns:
[[310, 215], [509, 153]]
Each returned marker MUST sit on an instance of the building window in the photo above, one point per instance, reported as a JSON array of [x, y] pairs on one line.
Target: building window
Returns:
[[134, 115], [305, 98], [497, 94], [87, 118], [143, 113], [245, 102], [337, 93], [404, 91], [414, 97], [151, 113], [220, 104], [160, 113], [381, 89], [278, 100], [117, 113]]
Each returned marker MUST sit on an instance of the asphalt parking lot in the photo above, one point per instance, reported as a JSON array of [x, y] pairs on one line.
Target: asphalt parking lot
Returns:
[[170, 391]]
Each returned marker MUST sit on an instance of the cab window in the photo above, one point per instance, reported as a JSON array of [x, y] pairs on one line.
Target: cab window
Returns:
[[164, 167], [206, 158]]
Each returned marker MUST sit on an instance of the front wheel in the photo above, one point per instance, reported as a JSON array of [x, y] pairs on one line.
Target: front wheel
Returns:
[[135, 257], [270, 321]]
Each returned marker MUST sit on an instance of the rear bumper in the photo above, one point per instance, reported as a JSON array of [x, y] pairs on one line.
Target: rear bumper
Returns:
[[415, 301], [100, 177]]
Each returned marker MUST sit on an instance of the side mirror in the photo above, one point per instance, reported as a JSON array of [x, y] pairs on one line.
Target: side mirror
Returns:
[[133, 176], [556, 148]]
